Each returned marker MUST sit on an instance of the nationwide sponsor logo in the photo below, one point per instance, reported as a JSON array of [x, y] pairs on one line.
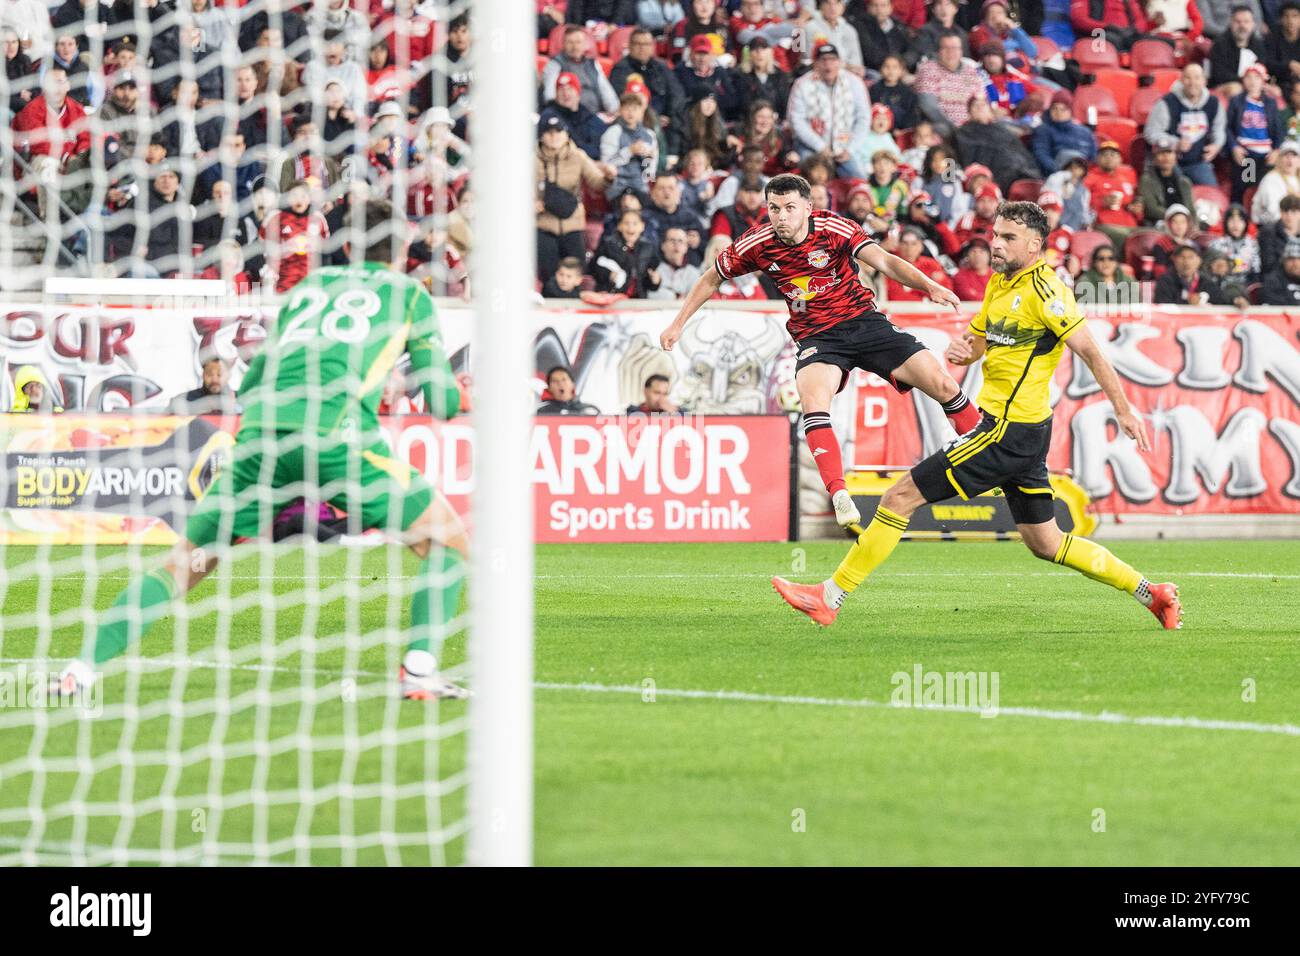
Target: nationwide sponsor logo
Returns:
[[819, 258], [962, 512], [806, 288]]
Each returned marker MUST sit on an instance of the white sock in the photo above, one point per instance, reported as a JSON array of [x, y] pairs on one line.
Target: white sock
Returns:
[[420, 663], [834, 594], [1143, 593]]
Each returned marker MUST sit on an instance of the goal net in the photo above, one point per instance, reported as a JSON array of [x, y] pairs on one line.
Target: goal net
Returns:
[[198, 324]]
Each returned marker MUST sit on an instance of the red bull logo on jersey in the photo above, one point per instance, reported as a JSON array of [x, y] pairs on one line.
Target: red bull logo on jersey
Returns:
[[806, 288], [819, 258]]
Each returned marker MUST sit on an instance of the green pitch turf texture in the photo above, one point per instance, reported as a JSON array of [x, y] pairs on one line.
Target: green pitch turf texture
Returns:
[[645, 775]]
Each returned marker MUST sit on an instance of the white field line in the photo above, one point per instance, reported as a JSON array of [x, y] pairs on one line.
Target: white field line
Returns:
[[1075, 716], [758, 574]]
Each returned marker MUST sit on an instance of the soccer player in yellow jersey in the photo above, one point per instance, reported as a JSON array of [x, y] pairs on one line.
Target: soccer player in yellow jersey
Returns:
[[1027, 318]]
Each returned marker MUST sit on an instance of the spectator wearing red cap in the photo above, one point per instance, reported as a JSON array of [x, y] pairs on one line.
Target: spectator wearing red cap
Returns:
[[1237, 49], [946, 84], [1113, 188], [703, 18], [1253, 129], [979, 220], [976, 268], [881, 34], [1121, 21], [577, 56], [585, 127], [860, 206], [667, 98], [829, 109], [828, 25], [1059, 131], [763, 78], [996, 24], [894, 90], [701, 75], [994, 144]]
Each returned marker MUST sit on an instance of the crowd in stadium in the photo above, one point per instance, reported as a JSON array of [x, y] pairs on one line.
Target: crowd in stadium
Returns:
[[198, 138]]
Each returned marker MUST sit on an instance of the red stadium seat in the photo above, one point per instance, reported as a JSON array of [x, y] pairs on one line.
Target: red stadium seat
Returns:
[[1139, 108], [1083, 243], [1148, 55], [1140, 243], [1046, 48], [839, 190], [1119, 128], [617, 42], [606, 64], [1137, 154], [1092, 55], [1121, 83], [1024, 190], [1096, 97], [1163, 79]]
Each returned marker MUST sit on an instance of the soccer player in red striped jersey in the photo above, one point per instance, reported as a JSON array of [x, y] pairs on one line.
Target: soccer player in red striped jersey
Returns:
[[813, 257]]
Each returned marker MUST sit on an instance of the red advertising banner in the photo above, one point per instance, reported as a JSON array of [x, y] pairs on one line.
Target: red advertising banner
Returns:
[[1220, 393], [622, 478]]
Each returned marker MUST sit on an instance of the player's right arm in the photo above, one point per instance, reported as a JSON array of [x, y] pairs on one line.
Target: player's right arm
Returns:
[[703, 289], [429, 365]]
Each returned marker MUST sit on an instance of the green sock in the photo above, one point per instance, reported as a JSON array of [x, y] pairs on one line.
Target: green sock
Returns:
[[439, 580], [141, 603]]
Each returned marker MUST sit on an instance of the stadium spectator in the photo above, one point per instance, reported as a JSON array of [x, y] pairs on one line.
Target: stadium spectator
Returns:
[[881, 35], [218, 218], [706, 131], [186, 137], [278, 76], [307, 162], [1056, 23], [972, 278], [456, 80], [585, 127], [942, 22], [20, 72], [1253, 129], [996, 25], [706, 18], [894, 90], [1282, 286], [1238, 246], [338, 17], [52, 134], [945, 85], [384, 79], [860, 206], [294, 238], [752, 163], [178, 50], [887, 188], [576, 56], [1282, 45], [828, 110], [1059, 131], [943, 181], [819, 196], [1282, 180], [118, 117], [674, 274], [156, 253], [213, 396], [658, 15], [878, 138], [1006, 87], [1176, 229], [631, 148], [697, 185], [564, 395], [667, 98], [1122, 22], [230, 268], [978, 221], [746, 212], [1104, 282], [665, 211], [620, 12], [1112, 186], [1236, 50], [701, 75], [30, 20], [340, 127], [923, 137], [291, 25], [1185, 284], [84, 84], [338, 65], [922, 212], [1196, 119], [1216, 16], [32, 394], [566, 283], [995, 145], [762, 79], [1068, 183], [764, 132], [828, 25], [1163, 184], [1177, 20], [911, 248], [432, 257], [655, 390], [562, 169], [1274, 237]]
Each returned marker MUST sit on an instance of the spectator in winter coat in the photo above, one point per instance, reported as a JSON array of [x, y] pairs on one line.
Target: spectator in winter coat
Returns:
[[996, 145], [585, 127], [1237, 48], [1283, 180], [1216, 15], [1121, 21], [631, 148], [673, 275], [667, 98], [829, 109], [1163, 184], [577, 57], [1196, 119], [1254, 131], [946, 84], [1273, 238], [621, 261], [1059, 131]]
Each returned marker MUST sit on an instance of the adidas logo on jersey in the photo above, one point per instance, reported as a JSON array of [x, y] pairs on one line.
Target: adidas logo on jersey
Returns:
[[774, 268], [820, 451]]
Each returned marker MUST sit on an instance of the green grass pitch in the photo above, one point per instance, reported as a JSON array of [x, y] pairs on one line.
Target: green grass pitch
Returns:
[[791, 769]]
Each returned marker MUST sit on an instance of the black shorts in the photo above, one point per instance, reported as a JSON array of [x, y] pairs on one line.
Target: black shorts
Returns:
[[868, 341], [993, 454]]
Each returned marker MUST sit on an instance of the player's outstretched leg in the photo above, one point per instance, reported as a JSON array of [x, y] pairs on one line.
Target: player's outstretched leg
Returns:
[[817, 384], [923, 371], [1048, 542], [137, 607], [440, 539], [821, 602]]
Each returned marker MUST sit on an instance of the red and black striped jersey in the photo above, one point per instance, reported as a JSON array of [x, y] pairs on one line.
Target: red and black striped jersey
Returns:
[[818, 277]]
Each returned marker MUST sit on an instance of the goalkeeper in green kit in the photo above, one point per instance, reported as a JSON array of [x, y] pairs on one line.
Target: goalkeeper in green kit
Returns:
[[310, 430]]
